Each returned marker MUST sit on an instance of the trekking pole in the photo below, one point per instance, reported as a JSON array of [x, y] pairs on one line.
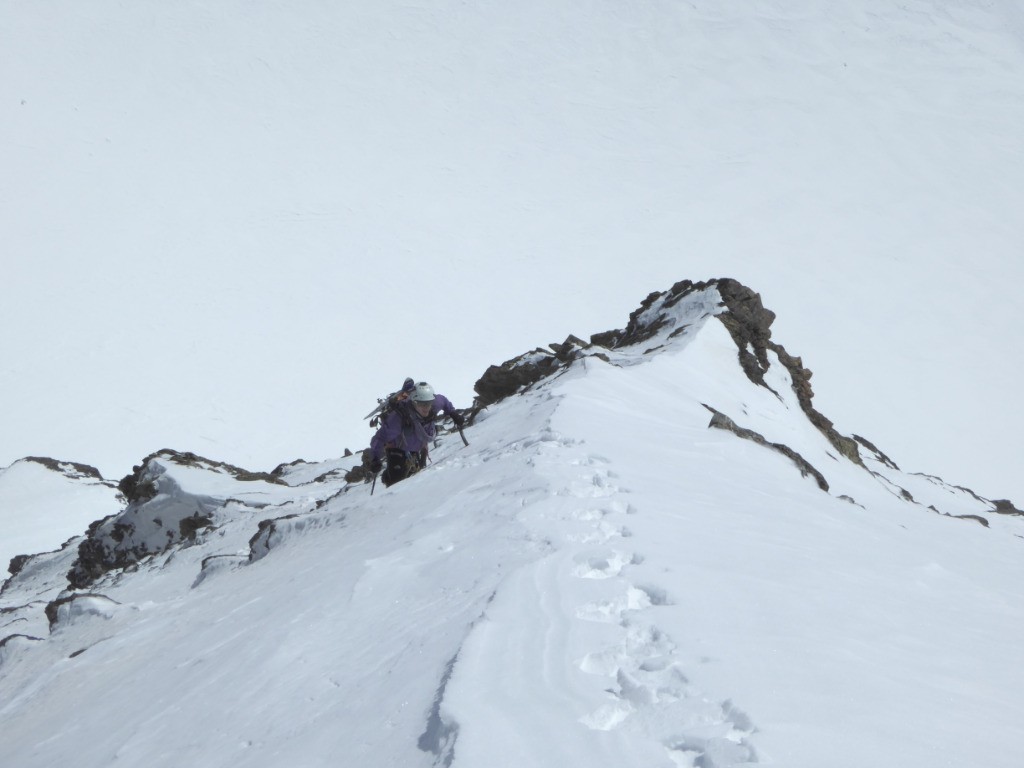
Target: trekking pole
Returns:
[[374, 485]]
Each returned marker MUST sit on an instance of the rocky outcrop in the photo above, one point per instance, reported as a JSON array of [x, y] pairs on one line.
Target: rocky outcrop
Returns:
[[265, 537], [138, 487], [720, 421], [160, 514], [17, 563], [1005, 507], [360, 473], [69, 468], [749, 323], [651, 317], [657, 321], [874, 449], [271, 532], [68, 607], [519, 373]]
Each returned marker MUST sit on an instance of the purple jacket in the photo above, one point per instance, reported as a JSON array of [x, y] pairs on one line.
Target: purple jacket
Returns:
[[405, 429]]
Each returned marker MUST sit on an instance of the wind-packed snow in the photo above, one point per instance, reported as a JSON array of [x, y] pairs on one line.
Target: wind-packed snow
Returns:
[[41, 507], [598, 579], [227, 228]]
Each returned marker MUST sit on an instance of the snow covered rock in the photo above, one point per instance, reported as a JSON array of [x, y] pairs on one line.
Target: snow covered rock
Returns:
[[172, 498], [512, 376], [65, 610]]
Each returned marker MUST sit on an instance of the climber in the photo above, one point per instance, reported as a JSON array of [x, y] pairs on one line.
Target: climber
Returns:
[[406, 431]]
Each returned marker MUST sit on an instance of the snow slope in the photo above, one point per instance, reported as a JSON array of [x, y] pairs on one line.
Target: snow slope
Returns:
[[44, 503], [203, 206], [598, 579]]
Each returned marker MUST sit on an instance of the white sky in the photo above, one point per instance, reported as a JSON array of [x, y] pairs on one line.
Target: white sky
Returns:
[[229, 229]]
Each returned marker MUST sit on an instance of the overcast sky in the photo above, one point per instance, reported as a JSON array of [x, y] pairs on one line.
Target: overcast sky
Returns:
[[229, 229]]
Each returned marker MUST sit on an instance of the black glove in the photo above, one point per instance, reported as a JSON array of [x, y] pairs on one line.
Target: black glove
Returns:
[[459, 419], [375, 466]]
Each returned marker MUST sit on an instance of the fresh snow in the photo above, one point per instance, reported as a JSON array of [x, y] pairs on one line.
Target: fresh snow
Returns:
[[228, 228], [598, 579]]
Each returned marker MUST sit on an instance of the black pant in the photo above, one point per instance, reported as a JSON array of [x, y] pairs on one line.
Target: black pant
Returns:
[[402, 464]]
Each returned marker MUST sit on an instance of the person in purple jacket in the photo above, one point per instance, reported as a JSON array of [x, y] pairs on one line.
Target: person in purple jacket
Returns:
[[406, 431]]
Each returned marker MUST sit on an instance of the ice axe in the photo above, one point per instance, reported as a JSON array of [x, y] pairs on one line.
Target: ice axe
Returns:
[[458, 426]]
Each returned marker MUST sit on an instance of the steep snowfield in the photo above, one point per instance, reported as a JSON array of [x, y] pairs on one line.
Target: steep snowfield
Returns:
[[204, 207], [598, 579], [44, 503]]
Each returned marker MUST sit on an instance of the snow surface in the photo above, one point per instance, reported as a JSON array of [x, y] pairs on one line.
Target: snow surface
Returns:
[[41, 508], [598, 579], [228, 228]]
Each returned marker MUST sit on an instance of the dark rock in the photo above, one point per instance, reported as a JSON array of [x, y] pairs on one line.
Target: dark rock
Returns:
[[881, 456], [744, 316], [975, 518], [607, 339], [265, 537], [137, 488], [519, 373], [15, 636], [82, 470], [721, 421], [158, 516], [501, 381], [637, 330], [568, 349], [188, 527], [749, 323], [360, 473], [95, 559], [1005, 507], [280, 469], [17, 563]]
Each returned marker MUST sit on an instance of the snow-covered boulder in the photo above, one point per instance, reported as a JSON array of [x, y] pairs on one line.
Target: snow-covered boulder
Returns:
[[172, 498]]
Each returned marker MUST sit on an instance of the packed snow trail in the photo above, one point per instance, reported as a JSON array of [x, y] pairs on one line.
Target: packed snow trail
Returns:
[[567, 666]]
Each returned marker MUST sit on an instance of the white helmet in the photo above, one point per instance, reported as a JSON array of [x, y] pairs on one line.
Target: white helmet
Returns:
[[424, 393]]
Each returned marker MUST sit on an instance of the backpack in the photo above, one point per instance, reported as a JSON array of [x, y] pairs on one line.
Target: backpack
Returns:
[[386, 405]]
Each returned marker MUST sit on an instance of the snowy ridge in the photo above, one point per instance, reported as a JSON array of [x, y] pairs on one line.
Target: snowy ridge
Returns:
[[598, 579], [44, 502], [623, 672]]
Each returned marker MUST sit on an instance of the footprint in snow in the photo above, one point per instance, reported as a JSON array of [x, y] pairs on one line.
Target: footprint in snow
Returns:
[[651, 691], [601, 533], [602, 565], [597, 485], [590, 515], [611, 611]]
